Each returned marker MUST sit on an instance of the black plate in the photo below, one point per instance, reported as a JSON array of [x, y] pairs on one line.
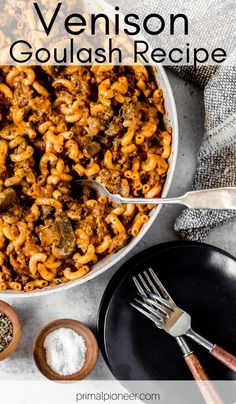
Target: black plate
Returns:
[[202, 280]]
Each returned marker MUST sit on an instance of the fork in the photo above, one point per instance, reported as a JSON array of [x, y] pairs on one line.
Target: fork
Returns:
[[217, 198], [177, 322], [147, 285]]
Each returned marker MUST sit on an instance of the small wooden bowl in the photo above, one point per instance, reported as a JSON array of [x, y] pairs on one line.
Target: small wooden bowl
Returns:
[[91, 353], [8, 310]]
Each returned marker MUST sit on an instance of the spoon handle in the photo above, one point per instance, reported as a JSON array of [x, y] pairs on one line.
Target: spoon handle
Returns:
[[217, 198]]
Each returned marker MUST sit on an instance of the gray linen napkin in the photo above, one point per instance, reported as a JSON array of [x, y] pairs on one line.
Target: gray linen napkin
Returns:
[[217, 156], [211, 21]]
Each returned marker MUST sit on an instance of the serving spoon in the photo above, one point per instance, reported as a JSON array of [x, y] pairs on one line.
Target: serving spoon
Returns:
[[216, 198]]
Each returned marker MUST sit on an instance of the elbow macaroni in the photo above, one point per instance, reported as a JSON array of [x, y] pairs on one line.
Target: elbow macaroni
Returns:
[[101, 122]]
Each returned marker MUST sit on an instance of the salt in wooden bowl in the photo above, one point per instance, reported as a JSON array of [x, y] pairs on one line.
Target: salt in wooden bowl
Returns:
[[91, 355]]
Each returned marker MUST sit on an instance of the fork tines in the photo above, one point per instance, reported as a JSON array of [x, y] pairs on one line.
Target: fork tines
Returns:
[[153, 300]]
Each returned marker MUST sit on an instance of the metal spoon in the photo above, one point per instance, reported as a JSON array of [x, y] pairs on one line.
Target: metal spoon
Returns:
[[217, 198]]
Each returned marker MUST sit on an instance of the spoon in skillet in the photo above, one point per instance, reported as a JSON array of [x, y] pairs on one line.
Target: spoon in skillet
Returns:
[[216, 198]]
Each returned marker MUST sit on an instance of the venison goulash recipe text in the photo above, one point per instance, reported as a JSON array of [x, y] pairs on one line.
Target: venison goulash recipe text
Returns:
[[58, 124]]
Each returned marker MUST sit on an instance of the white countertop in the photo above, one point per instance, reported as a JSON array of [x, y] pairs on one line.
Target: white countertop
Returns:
[[82, 302]]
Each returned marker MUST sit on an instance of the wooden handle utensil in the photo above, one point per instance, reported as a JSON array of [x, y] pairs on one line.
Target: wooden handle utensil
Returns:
[[207, 389]]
